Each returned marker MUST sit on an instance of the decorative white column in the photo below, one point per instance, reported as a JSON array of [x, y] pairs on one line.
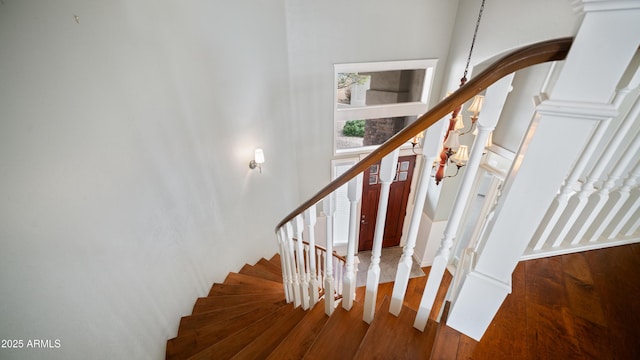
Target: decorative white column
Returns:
[[578, 102], [295, 276], [494, 102], [310, 220], [286, 280], [302, 273], [328, 206], [431, 146], [386, 175], [354, 193], [406, 261]]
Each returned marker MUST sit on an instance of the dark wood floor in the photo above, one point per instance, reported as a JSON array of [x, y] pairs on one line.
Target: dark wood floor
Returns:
[[578, 306]]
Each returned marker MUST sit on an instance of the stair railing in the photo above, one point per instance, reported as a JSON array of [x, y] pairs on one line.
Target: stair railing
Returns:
[[299, 286], [318, 255]]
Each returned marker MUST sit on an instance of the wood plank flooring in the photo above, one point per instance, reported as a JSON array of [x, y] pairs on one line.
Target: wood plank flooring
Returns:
[[578, 306]]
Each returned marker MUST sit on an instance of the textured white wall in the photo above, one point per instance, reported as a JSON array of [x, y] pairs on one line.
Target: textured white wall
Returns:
[[124, 149]]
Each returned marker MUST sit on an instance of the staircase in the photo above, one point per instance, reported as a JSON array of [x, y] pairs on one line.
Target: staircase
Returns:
[[247, 317]]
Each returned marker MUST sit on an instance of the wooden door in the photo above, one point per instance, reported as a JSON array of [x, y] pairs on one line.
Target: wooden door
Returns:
[[396, 210]]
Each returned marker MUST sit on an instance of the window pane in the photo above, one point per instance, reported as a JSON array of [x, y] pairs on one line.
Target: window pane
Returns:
[[379, 87], [358, 133]]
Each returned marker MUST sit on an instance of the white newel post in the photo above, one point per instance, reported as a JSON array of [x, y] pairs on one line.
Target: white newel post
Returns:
[[494, 102], [578, 102], [354, 192], [328, 206], [386, 175], [295, 276], [283, 264], [310, 219], [300, 256]]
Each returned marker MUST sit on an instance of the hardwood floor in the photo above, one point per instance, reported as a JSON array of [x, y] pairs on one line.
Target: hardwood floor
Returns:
[[579, 306]]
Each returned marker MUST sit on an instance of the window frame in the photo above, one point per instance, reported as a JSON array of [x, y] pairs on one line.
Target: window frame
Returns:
[[415, 108]]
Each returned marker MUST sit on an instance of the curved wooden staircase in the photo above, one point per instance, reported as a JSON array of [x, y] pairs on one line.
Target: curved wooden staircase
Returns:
[[247, 317]]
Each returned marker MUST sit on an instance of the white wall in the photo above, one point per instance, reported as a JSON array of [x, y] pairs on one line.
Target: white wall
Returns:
[[124, 149], [324, 33]]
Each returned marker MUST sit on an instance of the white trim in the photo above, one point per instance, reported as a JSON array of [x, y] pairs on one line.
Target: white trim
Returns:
[[537, 254]]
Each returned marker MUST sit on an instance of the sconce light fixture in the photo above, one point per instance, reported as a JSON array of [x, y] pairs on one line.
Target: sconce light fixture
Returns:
[[258, 160]]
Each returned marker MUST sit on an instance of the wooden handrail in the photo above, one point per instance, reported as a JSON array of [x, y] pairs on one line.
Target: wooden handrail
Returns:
[[550, 50]]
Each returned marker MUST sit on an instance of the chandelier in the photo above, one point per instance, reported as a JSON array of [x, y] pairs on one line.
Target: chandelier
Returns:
[[452, 151]]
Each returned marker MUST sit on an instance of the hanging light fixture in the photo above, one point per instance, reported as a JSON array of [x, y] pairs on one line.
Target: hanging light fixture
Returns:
[[451, 144]]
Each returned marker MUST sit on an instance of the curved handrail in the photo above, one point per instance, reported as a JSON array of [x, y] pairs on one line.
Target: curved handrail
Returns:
[[550, 50]]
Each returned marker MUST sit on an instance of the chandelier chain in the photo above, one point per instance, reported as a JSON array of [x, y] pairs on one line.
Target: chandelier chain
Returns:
[[473, 41]]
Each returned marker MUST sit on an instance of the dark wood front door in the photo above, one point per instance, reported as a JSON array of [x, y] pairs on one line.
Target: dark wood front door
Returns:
[[396, 210]]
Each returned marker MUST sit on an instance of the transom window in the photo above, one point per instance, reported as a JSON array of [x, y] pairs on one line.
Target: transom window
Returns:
[[374, 101]]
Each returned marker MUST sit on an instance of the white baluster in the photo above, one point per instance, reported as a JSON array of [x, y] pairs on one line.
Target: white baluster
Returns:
[[633, 226], [574, 216], [354, 192], [310, 220], [328, 206], [406, 261], [283, 256], [495, 97], [302, 274], [572, 185], [589, 206], [550, 228], [342, 266], [295, 276], [387, 173], [319, 270], [602, 195], [632, 206], [307, 255]]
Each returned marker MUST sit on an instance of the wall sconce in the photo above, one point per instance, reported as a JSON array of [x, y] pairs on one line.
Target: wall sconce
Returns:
[[258, 160]]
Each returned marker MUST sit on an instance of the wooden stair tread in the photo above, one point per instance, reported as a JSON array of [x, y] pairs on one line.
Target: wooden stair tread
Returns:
[[269, 340], [295, 345], [228, 289], [389, 333], [232, 344], [244, 279], [266, 265], [196, 321], [222, 301], [258, 271], [192, 341], [341, 336], [275, 260]]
